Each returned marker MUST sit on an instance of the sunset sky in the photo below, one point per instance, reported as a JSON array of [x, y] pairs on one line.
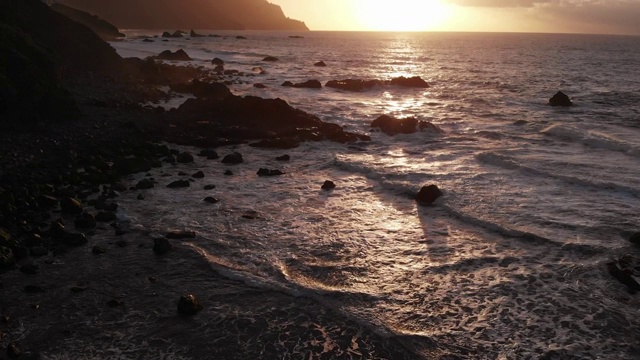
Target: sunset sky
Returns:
[[564, 16]]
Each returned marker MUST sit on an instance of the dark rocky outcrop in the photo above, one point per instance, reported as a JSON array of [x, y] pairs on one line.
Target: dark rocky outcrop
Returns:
[[197, 14], [210, 154], [428, 194], [309, 84], [415, 82], [145, 184], [179, 184], [270, 58], [198, 175], [284, 158], [233, 158], [210, 200], [392, 126], [287, 84], [70, 206], [560, 99], [105, 30], [185, 158], [178, 55], [635, 239], [623, 276], [320, 64], [259, 86], [189, 305], [269, 172], [194, 34], [161, 246], [202, 89], [217, 61], [181, 234], [352, 84]]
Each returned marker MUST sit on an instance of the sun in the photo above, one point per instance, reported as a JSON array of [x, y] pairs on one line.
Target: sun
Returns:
[[401, 15]]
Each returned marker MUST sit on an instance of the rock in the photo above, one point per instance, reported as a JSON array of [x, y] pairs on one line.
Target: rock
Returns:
[[140, 197], [270, 58], [106, 216], [7, 259], [283, 158], [277, 143], [352, 84], [328, 185], [233, 158], [635, 239], [178, 55], [70, 206], [198, 175], [228, 172], [98, 250], [121, 243], [185, 158], [210, 200], [267, 172], [57, 230], [189, 305], [287, 84], [147, 40], [161, 246], [111, 206], [102, 28], [47, 202], [415, 82], [181, 234], [179, 184], [258, 70], [114, 303], [145, 184], [193, 34], [13, 351], [210, 154], [132, 165], [29, 269], [209, 187], [296, 37], [392, 126], [560, 99], [624, 277], [77, 239], [85, 221], [202, 90], [259, 86], [217, 61], [309, 84], [38, 251], [240, 37], [428, 194], [320, 63]]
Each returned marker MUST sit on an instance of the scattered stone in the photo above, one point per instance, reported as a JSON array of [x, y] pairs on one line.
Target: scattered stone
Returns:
[[352, 84], [428, 194], [198, 175], [259, 86], [328, 185], [320, 64], [161, 246], [145, 184], [210, 200], [189, 305], [85, 221], [29, 269], [635, 239], [47, 202], [210, 154], [560, 99], [233, 158], [209, 187], [228, 173], [283, 158], [98, 250], [70, 206], [185, 158], [268, 172], [217, 61], [287, 84], [181, 234], [106, 216], [179, 184], [270, 58]]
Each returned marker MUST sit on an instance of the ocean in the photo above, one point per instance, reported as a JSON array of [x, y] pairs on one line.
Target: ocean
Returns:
[[509, 264]]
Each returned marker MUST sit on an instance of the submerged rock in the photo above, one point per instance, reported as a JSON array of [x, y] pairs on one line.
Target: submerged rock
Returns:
[[259, 86], [185, 158], [198, 175], [194, 34], [309, 84], [392, 126], [233, 158], [161, 246], [283, 158], [428, 194], [320, 64], [217, 61], [560, 99], [189, 305], [268, 172], [270, 58], [210, 200]]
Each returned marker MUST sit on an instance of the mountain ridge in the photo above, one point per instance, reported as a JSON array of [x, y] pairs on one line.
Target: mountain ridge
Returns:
[[190, 14]]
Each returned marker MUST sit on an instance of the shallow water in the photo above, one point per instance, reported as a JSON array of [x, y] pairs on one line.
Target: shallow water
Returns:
[[508, 264]]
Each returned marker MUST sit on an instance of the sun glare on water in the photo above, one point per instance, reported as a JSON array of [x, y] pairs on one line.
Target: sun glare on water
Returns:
[[402, 15]]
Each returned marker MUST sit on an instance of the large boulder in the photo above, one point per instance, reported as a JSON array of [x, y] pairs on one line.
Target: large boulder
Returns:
[[392, 126], [178, 55], [428, 194], [415, 82], [320, 64], [233, 159], [270, 58], [309, 84], [189, 305], [560, 99]]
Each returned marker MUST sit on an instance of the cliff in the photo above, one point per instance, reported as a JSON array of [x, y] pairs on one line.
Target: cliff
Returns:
[[105, 30], [190, 14]]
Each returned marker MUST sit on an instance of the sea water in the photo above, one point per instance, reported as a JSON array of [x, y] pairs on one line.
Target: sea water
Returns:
[[508, 264]]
